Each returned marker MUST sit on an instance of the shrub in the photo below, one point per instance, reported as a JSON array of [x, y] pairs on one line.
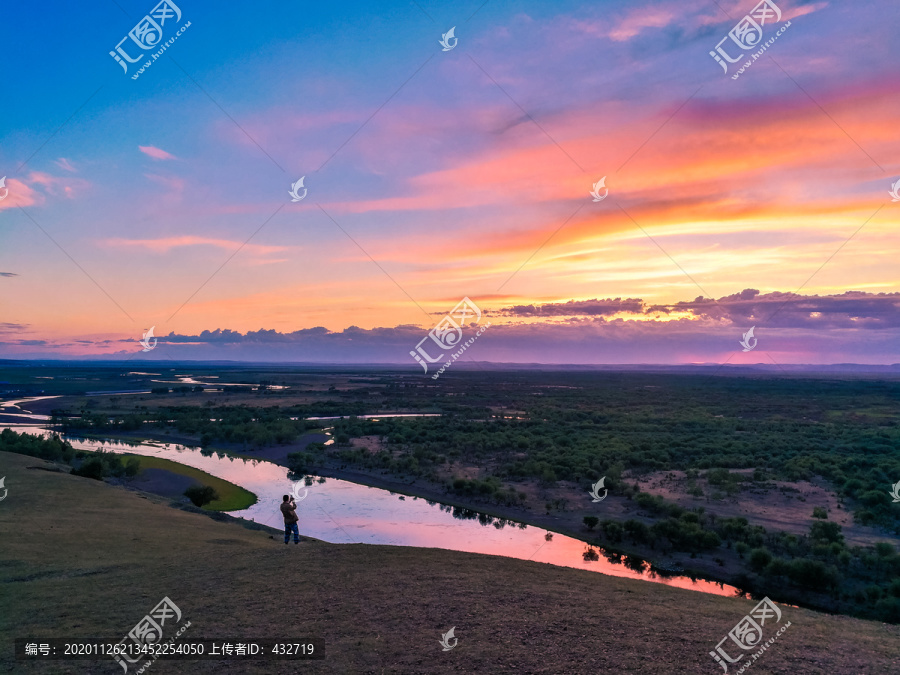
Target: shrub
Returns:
[[884, 549], [612, 530], [637, 530], [875, 498], [888, 610], [299, 462], [820, 512], [91, 468], [591, 522], [826, 532], [895, 588], [759, 559], [201, 495], [779, 567], [53, 448], [132, 466], [812, 573]]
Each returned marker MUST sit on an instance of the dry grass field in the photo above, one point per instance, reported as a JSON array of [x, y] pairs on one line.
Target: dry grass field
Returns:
[[81, 558]]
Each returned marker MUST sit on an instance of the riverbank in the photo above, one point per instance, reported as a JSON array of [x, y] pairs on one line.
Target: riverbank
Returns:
[[566, 522], [373, 609], [170, 479], [722, 565]]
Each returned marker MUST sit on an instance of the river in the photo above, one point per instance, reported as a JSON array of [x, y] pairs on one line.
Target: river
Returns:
[[339, 511]]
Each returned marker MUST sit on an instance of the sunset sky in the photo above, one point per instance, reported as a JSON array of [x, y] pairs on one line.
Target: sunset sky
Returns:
[[435, 175]]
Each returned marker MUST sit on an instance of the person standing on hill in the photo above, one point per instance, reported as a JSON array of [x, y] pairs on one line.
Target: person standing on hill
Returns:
[[289, 511]]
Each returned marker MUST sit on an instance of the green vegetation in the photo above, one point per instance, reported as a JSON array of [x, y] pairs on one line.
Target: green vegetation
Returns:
[[102, 464], [248, 427], [201, 495], [531, 440], [54, 448], [230, 497], [97, 465]]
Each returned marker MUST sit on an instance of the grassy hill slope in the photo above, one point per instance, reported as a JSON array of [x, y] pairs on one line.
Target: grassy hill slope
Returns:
[[82, 558]]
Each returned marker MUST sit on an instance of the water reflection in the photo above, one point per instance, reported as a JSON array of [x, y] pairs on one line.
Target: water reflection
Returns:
[[339, 511]]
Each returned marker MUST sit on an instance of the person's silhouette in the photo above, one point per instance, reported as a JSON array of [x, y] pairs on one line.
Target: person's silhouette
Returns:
[[289, 511]]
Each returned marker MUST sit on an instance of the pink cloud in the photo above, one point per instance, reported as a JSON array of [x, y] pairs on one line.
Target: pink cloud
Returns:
[[16, 193], [633, 22], [155, 152], [166, 244], [738, 8], [55, 185], [63, 163], [794, 12], [637, 21], [173, 183]]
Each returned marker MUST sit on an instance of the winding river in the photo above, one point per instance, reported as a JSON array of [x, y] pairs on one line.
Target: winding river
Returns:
[[339, 511]]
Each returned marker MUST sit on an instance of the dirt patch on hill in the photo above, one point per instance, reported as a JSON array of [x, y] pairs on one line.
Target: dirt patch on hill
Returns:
[[775, 505]]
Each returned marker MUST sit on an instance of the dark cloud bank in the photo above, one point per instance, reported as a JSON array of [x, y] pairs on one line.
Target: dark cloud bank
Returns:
[[853, 327]]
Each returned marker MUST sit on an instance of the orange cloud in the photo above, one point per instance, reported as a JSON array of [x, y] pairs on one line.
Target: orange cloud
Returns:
[[702, 167]]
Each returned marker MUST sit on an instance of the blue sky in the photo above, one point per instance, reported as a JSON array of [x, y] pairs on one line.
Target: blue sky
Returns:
[[167, 200]]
